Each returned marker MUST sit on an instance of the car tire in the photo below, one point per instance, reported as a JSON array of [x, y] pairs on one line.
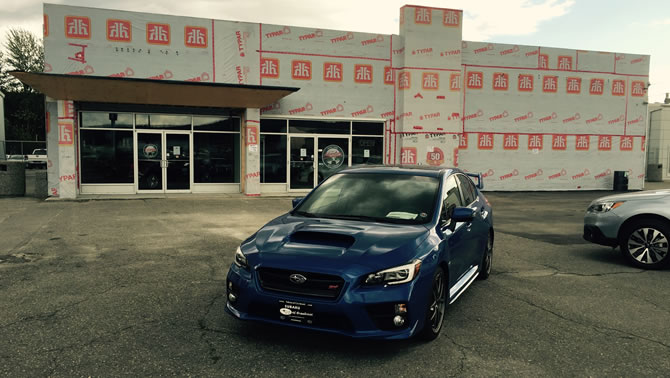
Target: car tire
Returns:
[[487, 259], [645, 243], [436, 307]]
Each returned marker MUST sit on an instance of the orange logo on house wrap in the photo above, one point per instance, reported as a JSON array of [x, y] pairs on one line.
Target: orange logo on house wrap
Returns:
[[485, 141], [195, 36], [404, 80], [525, 83], [65, 133], [550, 84], [119, 30], [626, 143], [158, 34], [301, 70], [535, 142], [637, 88], [77, 27], [363, 73], [388, 75], [430, 81], [451, 18], [270, 68], [455, 82], [252, 135], [463, 141], [332, 71], [423, 16], [582, 142], [565, 63], [500, 81], [408, 155], [475, 80], [559, 142], [618, 87], [596, 86], [543, 61], [511, 142], [573, 85], [604, 142]]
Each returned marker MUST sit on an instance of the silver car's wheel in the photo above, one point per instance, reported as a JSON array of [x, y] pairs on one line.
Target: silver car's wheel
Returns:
[[645, 244]]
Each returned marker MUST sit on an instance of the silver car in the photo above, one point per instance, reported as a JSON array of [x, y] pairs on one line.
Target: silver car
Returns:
[[637, 222]]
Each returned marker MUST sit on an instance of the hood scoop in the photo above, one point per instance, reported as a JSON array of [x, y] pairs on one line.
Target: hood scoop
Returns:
[[322, 238]]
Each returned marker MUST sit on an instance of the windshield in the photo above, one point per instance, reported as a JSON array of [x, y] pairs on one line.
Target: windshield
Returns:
[[381, 197]]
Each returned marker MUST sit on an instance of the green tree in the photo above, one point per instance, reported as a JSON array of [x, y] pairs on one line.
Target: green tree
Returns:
[[24, 107], [25, 52]]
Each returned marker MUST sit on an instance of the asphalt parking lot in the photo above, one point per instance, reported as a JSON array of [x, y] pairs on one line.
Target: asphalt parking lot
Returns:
[[136, 287]]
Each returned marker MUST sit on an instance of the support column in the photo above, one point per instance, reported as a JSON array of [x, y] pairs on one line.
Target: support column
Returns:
[[67, 157], [252, 174]]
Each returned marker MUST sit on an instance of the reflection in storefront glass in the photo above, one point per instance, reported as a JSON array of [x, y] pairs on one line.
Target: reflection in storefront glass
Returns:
[[273, 158], [162, 121], [108, 120], [106, 157], [367, 150], [216, 157]]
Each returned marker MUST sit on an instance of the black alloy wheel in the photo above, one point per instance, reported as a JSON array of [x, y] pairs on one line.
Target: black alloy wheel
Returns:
[[645, 243], [487, 259], [437, 304]]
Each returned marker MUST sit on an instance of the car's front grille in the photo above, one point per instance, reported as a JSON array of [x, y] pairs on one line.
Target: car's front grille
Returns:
[[314, 285]]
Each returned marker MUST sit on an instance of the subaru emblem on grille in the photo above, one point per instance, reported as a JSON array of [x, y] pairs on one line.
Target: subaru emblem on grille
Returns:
[[297, 278]]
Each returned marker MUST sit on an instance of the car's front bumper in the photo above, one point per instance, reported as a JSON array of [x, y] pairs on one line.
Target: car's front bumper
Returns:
[[602, 228], [355, 313]]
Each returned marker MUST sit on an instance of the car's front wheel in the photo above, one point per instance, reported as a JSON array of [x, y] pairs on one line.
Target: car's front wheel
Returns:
[[644, 243], [437, 304]]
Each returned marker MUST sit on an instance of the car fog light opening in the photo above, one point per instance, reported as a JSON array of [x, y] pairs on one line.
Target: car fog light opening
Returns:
[[232, 295], [401, 308], [398, 321]]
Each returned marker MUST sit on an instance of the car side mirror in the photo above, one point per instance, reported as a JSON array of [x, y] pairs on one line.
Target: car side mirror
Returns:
[[296, 201], [463, 214]]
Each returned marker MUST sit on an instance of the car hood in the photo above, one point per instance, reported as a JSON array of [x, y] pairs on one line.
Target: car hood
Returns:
[[645, 195], [333, 245]]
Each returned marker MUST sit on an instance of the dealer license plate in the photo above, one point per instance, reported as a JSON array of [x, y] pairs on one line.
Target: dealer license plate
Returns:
[[296, 312]]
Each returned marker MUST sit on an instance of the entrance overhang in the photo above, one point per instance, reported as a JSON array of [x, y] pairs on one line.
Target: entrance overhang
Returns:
[[152, 92]]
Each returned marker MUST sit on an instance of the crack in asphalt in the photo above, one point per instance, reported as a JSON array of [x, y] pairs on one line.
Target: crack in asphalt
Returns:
[[562, 273], [50, 315], [600, 329], [31, 235], [204, 329], [461, 349]]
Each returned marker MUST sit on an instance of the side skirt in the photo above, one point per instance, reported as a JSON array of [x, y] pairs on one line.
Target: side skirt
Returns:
[[462, 284]]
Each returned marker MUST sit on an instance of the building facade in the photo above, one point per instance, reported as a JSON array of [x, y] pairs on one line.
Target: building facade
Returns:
[[527, 117], [658, 150]]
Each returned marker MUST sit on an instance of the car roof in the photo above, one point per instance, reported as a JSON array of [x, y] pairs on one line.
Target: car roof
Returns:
[[428, 171]]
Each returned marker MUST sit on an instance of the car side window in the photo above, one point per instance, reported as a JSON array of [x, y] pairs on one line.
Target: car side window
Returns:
[[452, 195], [468, 189]]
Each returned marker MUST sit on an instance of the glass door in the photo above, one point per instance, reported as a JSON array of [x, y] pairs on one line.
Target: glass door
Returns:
[[163, 161], [301, 163], [150, 161], [177, 161], [333, 155]]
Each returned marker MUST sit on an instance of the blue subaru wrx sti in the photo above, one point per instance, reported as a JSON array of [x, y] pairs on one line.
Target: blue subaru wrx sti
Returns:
[[371, 252]]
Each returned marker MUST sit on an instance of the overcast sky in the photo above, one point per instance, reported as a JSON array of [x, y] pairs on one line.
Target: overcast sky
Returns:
[[635, 27]]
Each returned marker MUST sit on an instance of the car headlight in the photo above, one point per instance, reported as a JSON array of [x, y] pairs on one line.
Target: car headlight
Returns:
[[603, 207], [396, 275], [240, 259]]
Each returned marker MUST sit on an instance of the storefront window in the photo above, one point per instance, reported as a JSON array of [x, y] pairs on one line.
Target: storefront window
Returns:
[[367, 128], [106, 157], [216, 124], [367, 150], [106, 120], [319, 127], [273, 125], [162, 121], [273, 158], [216, 157]]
